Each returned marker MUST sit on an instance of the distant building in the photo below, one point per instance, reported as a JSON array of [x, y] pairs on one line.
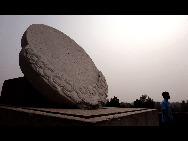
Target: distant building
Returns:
[[125, 105]]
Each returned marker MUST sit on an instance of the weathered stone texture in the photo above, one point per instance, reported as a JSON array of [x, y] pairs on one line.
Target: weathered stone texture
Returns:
[[60, 69]]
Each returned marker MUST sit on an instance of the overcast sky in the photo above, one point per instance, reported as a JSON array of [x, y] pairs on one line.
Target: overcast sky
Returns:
[[138, 54]]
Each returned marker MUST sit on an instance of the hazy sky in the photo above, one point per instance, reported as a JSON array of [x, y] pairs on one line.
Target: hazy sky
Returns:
[[138, 54]]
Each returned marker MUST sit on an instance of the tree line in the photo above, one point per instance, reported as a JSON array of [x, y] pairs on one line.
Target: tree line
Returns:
[[146, 102]]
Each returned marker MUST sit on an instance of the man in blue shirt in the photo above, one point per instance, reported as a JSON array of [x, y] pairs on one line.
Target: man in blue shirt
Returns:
[[167, 117]]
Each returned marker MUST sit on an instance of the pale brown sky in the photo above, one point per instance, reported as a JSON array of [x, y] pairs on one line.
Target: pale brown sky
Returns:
[[138, 54]]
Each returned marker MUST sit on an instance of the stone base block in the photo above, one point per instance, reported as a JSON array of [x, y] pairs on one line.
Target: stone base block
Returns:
[[107, 116]]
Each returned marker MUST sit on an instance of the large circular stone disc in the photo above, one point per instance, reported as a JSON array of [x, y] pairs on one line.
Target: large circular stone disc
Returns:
[[60, 69]]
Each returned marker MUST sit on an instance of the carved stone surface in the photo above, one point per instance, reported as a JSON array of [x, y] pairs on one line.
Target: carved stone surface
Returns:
[[60, 69]]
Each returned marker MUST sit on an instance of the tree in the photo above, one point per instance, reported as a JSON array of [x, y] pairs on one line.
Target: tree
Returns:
[[144, 102], [184, 106], [114, 102], [149, 103]]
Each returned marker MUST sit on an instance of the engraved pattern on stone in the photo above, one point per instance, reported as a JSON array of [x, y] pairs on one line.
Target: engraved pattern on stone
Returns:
[[83, 95], [65, 84]]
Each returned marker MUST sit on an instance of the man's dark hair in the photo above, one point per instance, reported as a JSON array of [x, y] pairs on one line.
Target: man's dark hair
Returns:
[[165, 93]]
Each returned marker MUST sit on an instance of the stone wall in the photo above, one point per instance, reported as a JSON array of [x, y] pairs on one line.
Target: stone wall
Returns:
[[108, 116]]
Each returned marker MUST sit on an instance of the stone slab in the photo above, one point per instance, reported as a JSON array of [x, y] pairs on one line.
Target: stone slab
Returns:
[[61, 69], [106, 116]]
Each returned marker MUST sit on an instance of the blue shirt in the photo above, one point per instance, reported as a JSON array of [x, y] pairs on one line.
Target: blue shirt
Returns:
[[166, 105]]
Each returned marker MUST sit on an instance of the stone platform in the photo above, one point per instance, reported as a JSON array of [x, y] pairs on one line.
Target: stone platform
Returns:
[[107, 116]]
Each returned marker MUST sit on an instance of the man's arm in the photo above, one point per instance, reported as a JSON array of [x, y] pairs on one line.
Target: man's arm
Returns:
[[164, 111]]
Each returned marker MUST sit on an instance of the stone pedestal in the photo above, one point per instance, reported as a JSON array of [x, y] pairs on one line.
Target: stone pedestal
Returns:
[[107, 116]]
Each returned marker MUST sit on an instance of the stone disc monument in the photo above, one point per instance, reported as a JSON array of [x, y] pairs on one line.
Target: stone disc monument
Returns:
[[60, 69]]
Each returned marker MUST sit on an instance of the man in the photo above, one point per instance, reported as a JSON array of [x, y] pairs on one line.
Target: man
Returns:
[[167, 117]]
